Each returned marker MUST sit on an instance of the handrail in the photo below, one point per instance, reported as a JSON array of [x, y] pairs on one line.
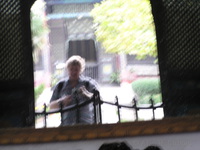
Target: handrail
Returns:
[[97, 101], [133, 106]]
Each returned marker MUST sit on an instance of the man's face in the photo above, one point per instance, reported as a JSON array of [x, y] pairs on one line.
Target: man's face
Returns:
[[74, 72]]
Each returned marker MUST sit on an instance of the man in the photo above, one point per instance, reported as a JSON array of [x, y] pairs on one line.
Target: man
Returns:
[[76, 88]]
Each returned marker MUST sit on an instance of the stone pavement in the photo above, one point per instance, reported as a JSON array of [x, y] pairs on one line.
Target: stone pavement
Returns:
[[125, 95]]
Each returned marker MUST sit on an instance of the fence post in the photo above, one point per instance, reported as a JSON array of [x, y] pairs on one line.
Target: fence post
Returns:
[[136, 109], [100, 113], [45, 115], [97, 106], [94, 105], [118, 107], [152, 106], [99, 102]]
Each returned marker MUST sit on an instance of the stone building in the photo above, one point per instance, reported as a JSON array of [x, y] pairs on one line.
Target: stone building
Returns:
[[72, 33]]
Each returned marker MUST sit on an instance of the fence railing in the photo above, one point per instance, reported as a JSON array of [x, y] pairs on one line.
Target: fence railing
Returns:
[[97, 104]]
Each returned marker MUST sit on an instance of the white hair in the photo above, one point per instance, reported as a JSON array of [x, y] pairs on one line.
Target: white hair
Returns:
[[76, 60]]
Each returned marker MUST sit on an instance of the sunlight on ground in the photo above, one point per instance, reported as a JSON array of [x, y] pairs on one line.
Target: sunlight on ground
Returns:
[[53, 120]]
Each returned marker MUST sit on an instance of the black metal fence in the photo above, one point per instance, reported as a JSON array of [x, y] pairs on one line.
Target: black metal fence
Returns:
[[97, 104]]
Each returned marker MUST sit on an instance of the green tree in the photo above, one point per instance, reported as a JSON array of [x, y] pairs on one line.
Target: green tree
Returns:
[[125, 26], [39, 28]]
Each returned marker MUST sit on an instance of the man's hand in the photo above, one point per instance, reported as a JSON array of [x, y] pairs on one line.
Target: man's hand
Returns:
[[85, 92], [66, 100]]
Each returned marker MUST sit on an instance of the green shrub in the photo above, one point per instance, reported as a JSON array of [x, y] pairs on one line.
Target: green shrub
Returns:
[[147, 88], [38, 90], [115, 77], [146, 99]]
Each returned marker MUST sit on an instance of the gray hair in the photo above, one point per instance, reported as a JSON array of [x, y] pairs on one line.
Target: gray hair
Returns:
[[76, 60]]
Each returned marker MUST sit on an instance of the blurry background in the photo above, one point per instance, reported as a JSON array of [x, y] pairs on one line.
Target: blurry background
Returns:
[[116, 38]]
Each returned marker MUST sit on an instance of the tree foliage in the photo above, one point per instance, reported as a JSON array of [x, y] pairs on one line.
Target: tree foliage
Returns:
[[39, 28], [125, 26]]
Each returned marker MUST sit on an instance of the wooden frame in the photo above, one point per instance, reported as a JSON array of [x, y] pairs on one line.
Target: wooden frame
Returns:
[[89, 132]]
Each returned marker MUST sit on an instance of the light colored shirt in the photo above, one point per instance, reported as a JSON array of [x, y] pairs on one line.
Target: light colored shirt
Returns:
[[86, 113]]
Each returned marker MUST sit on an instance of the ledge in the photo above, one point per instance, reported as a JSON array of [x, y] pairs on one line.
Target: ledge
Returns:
[[89, 132]]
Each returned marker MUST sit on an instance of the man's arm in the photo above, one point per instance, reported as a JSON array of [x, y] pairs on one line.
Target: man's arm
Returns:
[[55, 104], [56, 100]]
